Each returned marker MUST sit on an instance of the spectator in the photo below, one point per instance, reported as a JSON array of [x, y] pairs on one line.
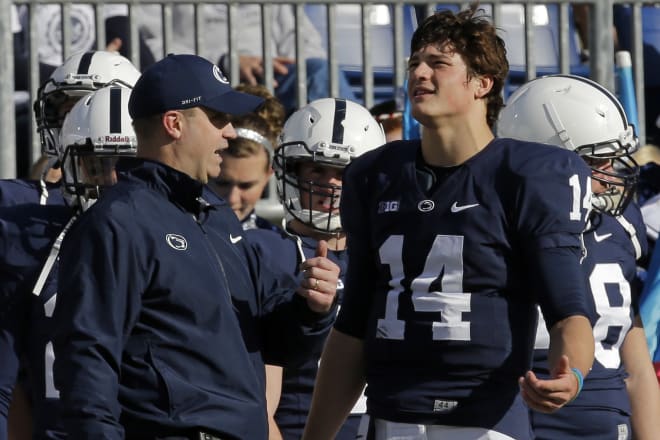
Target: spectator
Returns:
[[250, 50], [309, 161], [164, 314], [391, 118], [83, 27], [454, 239], [30, 240], [620, 396]]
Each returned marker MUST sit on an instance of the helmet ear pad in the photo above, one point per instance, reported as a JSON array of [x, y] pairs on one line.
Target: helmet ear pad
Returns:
[[579, 115], [330, 132]]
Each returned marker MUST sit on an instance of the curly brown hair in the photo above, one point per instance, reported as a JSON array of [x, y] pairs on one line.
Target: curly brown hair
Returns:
[[272, 110], [475, 39]]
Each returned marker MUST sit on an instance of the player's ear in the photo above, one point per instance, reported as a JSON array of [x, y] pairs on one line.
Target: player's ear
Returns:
[[484, 84]]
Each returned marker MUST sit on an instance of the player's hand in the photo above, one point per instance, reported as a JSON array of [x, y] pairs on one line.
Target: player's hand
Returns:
[[251, 68], [319, 285], [548, 396]]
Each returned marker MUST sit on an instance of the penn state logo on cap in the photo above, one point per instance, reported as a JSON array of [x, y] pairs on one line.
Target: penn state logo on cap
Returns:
[[183, 81], [219, 75]]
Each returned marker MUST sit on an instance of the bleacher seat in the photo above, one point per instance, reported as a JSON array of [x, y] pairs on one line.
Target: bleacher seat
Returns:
[[546, 41], [349, 49]]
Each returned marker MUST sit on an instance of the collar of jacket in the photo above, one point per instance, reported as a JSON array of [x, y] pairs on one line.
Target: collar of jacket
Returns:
[[178, 187]]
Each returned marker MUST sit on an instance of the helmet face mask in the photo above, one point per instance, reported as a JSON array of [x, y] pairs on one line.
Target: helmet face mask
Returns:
[[579, 115], [78, 76], [95, 134], [303, 194], [49, 110], [328, 133], [618, 182]]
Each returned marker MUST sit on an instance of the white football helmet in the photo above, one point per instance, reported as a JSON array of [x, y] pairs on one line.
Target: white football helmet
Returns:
[[580, 115], [329, 132], [79, 75], [96, 132]]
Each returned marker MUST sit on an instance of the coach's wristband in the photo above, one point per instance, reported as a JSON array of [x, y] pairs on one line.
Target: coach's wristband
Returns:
[[580, 379]]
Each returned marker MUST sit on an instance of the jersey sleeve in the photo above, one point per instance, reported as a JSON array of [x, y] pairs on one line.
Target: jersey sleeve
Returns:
[[552, 204], [97, 274], [356, 304]]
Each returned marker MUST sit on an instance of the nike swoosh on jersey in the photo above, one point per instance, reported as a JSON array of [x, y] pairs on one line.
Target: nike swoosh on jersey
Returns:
[[235, 240], [600, 238], [456, 208]]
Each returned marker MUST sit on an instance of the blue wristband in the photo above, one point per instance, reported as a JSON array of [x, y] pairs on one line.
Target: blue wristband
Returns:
[[580, 379]]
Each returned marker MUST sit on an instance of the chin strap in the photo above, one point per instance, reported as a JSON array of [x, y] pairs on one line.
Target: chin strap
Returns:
[[50, 261], [43, 188], [296, 239], [43, 192]]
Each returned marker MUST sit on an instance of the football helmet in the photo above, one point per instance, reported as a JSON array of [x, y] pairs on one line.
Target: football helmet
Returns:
[[329, 132], [96, 132], [79, 75], [580, 115]]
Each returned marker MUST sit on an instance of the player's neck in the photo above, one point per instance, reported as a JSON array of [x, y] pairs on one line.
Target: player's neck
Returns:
[[336, 242], [451, 145]]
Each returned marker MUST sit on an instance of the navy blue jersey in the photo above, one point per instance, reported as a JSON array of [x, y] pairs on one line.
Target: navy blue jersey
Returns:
[[285, 253], [20, 191], [27, 234], [442, 287], [164, 314], [602, 409]]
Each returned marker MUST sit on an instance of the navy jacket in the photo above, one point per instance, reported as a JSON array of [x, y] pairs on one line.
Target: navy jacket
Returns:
[[163, 315]]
